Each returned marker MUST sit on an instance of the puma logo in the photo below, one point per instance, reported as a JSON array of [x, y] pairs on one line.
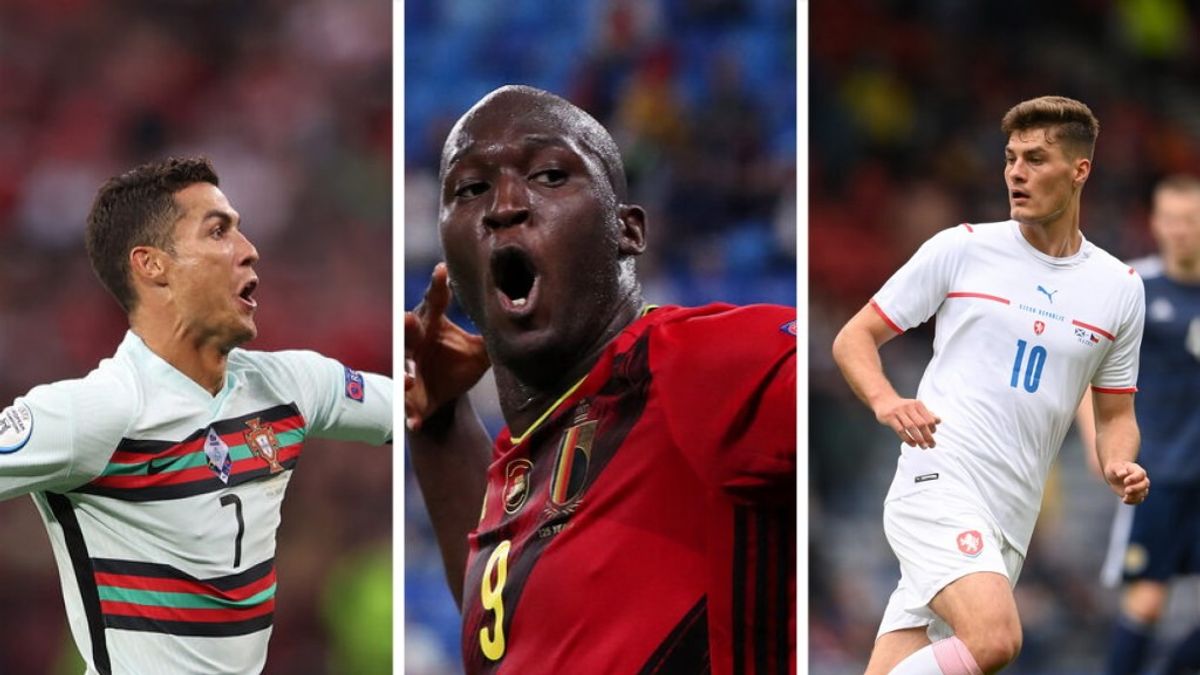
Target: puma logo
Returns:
[[1049, 294]]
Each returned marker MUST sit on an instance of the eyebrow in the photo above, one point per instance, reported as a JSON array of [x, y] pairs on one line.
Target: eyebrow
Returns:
[[535, 140], [219, 215], [544, 140]]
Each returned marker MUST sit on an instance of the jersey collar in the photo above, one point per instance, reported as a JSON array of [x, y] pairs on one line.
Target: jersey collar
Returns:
[[161, 371]]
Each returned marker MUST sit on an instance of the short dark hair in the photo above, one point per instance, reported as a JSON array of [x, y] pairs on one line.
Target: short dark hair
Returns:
[[1069, 120], [138, 208]]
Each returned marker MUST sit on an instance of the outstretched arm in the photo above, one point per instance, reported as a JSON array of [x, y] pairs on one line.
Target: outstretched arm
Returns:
[[1117, 442], [449, 446], [856, 352]]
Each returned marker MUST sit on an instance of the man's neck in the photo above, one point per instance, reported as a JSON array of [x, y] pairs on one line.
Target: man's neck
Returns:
[[524, 401], [1058, 238], [201, 361]]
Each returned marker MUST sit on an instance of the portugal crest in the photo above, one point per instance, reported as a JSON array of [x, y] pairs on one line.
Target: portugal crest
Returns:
[[262, 442], [571, 465]]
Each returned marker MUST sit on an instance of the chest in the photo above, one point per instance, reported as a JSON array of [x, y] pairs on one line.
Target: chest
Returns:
[[1024, 319], [199, 489], [596, 501]]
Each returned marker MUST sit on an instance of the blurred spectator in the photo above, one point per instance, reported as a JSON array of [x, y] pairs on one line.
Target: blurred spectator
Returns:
[[292, 101], [701, 98]]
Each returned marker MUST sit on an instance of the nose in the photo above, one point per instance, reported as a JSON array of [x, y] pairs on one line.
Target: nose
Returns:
[[1016, 171], [248, 254], [510, 204]]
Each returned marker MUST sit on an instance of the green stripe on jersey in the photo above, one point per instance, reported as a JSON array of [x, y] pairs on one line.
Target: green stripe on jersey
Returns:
[[181, 600], [192, 460]]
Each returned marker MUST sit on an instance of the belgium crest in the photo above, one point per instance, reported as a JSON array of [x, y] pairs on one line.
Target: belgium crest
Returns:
[[571, 465]]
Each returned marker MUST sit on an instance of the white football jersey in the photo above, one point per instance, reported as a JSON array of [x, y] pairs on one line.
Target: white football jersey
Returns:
[[162, 500], [1019, 336]]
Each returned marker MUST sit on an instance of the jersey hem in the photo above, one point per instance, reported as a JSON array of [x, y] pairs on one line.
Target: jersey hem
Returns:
[[1114, 390], [883, 315]]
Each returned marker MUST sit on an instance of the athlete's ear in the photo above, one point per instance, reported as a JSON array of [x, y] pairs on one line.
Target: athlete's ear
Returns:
[[632, 235], [148, 264], [1083, 169]]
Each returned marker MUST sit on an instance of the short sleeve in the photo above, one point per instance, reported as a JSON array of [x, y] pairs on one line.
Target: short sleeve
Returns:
[[916, 291], [337, 401], [1118, 371], [59, 436], [727, 384]]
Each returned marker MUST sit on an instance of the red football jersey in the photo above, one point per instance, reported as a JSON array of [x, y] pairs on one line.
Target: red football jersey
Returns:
[[647, 522]]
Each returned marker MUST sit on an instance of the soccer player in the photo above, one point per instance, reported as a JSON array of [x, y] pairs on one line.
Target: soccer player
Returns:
[[160, 474], [1160, 539], [638, 511], [1028, 314]]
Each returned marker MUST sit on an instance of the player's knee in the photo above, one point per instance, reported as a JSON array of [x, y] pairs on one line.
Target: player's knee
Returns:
[[995, 647]]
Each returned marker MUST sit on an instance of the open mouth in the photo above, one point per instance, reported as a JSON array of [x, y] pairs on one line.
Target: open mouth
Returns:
[[248, 291], [515, 277], [1019, 194]]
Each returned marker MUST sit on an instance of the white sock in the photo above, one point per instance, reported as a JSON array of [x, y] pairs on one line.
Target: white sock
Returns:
[[944, 657]]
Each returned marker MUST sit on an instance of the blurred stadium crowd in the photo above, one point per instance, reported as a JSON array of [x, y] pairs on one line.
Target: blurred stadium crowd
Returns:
[[906, 98], [292, 101], [700, 96]]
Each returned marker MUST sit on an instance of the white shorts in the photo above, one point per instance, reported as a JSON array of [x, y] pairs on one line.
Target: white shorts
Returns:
[[939, 536]]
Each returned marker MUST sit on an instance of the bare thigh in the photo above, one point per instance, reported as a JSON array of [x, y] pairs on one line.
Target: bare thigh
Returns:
[[982, 612]]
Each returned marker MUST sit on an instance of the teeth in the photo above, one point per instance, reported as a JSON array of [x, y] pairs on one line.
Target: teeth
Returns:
[[519, 302]]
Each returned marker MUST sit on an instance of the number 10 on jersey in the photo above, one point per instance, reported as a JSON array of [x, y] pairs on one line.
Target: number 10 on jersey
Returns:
[[1032, 367]]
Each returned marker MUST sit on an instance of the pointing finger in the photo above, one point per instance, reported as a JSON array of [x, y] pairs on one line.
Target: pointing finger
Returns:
[[437, 296]]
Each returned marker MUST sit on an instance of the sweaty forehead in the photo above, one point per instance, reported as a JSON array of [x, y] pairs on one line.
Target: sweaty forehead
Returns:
[[517, 120]]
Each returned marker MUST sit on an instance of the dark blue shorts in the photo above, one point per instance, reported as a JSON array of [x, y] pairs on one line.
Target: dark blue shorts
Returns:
[[1157, 539]]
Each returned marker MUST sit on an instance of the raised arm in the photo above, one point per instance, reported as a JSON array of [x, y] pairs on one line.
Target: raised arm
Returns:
[[449, 447], [856, 352], [1117, 443]]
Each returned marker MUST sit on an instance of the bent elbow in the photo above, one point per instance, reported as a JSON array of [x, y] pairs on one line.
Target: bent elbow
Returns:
[[841, 344]]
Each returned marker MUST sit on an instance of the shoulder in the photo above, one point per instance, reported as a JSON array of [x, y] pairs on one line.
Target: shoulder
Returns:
[[959, 235], [284, 372], [303, 375], [992, 229], [965, 236], [275, 364], [115, 384], [1109, 269], [724, 319], [720, 340], [998, 236], [976, 232], [99, 407], [1148, 267]]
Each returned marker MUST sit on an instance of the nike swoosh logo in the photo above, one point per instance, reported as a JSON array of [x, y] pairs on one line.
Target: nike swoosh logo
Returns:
[[156, 467]]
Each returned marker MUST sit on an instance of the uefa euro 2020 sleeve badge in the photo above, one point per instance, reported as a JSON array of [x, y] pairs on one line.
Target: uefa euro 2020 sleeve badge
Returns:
[[262, 442]]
